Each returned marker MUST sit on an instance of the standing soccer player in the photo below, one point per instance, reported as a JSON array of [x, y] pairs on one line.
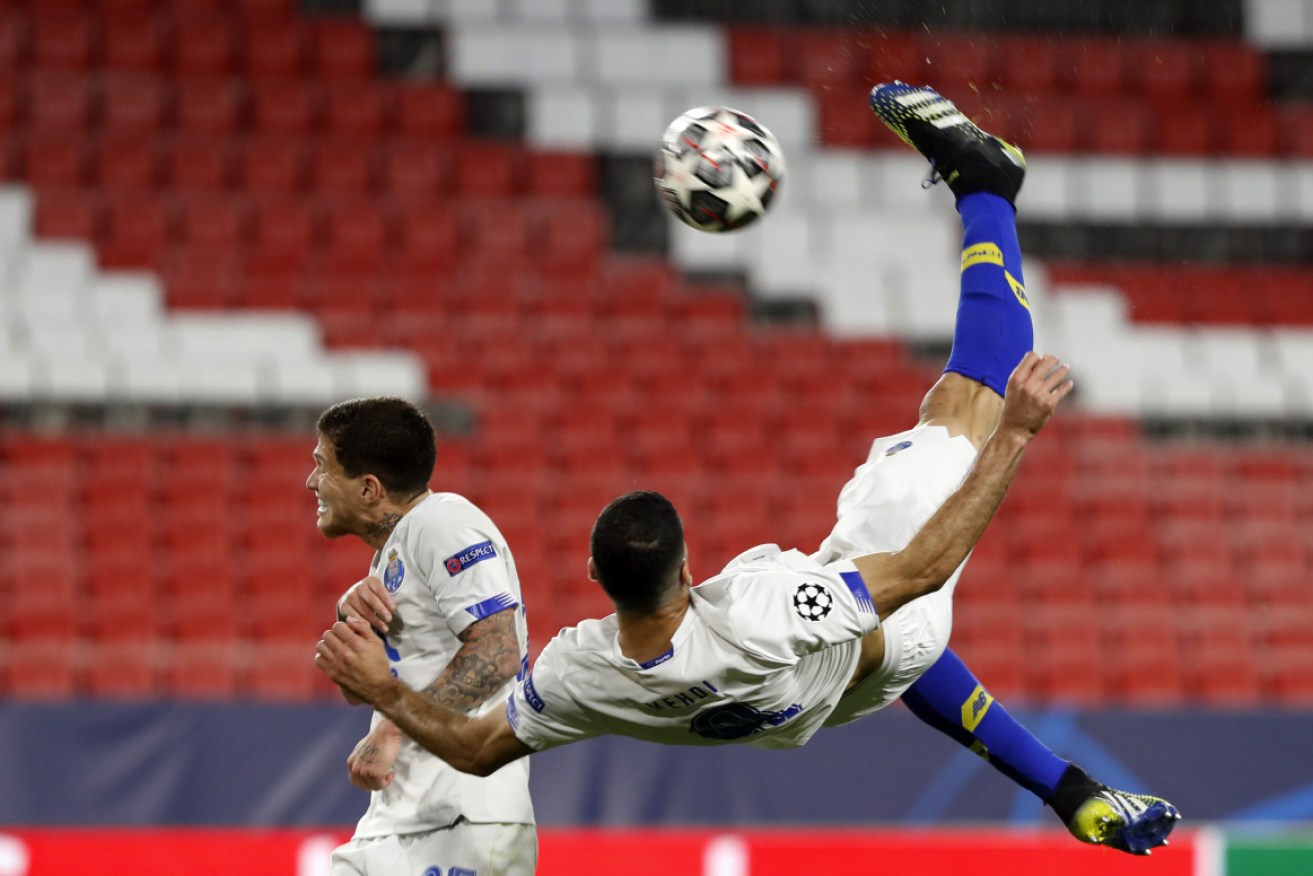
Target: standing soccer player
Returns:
[[443, 600], [781, 643]]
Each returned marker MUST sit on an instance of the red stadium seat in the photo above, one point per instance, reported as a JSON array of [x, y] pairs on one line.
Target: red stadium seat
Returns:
[[201, 280], [416, 171], [213, 222], [569, 174], [272, 165], [343, 168], [1119, 127], [1095, 67], [15, 44], [1166, 70], [127, 163], [133, 104], [136, 231], [896, 54], [273, 50], [132, 43], [63, 41], [342, 49], [124, 670], [286, 231], [841, 127], [212, 107], [42, 670], [203, 46], [825, 59], [286, 107], [203, 670], [963, 63], [489, 169], [361, 110], [68, 214], [198, 163], [757, 56], [59, 103], [1233, 74], [1038, 75], [429, 111]]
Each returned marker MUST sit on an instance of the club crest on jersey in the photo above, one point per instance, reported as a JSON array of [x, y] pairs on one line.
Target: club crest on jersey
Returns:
[[901, 445], [812, 602], [475, 553], [393, 572]]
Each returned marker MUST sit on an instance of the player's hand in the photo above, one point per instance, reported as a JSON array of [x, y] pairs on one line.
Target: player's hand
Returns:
[[352, 655], [370, 601], [370, 763], [1034, 390]]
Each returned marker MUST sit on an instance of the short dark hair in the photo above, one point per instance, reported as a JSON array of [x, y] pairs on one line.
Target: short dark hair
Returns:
[[638, 546], [387, 437]]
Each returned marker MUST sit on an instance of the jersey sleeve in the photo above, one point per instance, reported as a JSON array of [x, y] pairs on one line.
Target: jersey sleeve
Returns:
[[465, 567], [541, 711], [785, 613]]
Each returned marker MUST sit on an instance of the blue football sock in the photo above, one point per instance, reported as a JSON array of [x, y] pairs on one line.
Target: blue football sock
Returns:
[[950, 699], [993, 328]]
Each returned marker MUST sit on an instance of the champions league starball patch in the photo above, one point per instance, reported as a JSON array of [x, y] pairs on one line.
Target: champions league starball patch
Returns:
[[394, 572], [812, 602]]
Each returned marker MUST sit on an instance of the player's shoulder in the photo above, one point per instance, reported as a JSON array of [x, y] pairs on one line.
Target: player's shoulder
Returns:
[[448, 513], [587, 643]]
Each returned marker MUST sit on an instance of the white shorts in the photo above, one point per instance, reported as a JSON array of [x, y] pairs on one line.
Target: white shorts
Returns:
[[903, 482], [464, 849]]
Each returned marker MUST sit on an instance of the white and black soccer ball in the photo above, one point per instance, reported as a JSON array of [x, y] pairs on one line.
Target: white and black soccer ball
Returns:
[[718, 169]]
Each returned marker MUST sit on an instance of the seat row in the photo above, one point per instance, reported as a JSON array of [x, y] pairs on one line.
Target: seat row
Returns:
[[189, 42], [83, 104]]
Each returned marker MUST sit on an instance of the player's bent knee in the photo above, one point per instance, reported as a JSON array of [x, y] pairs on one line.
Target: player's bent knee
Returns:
[[962, 406]]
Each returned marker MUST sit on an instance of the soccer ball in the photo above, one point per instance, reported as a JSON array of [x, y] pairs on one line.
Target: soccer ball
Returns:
[[718, 169]]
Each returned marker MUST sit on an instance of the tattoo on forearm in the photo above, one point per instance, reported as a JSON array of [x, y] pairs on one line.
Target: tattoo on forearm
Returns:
[[383, 527], [489, 656]]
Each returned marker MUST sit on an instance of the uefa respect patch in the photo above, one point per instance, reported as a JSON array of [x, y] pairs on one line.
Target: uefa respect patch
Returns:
[[475, 553]]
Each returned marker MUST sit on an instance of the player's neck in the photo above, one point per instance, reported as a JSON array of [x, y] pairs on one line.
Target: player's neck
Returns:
[[647, 636], [380, 529]]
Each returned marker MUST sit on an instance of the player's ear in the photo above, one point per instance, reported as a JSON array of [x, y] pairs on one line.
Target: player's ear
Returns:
[[372, 490], [592, 570], [685, 573]]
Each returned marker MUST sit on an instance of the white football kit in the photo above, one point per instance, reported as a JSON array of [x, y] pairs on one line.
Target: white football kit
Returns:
[[446, 566], [766, 649]]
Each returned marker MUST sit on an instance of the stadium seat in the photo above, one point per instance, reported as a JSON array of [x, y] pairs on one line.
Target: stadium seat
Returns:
[[362, 111], [133, 105], [203, 46], [71, 215], [429, 112], [274, 51], [132, 43], [203, 670], [42, 670], [343, 168], [286, 108], [65, 42], [126, 163], [757, 56], [209, 107], [136, 231], [342, 49]]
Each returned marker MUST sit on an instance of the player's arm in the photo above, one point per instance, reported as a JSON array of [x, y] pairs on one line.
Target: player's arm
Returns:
[[489, 656], [353, 657], [894, 579]]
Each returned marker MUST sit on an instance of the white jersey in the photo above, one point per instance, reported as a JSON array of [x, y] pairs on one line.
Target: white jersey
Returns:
[[446, 566], [763, 653]]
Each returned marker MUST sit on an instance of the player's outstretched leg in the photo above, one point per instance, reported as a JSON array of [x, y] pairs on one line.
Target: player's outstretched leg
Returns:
[[993, 328], [951, 699]]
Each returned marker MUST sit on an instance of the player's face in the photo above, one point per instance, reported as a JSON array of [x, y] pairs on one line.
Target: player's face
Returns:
[[338, 510]]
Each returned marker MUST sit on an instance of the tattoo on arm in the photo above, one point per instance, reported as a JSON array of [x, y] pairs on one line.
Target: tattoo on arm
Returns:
[[489, 656]]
